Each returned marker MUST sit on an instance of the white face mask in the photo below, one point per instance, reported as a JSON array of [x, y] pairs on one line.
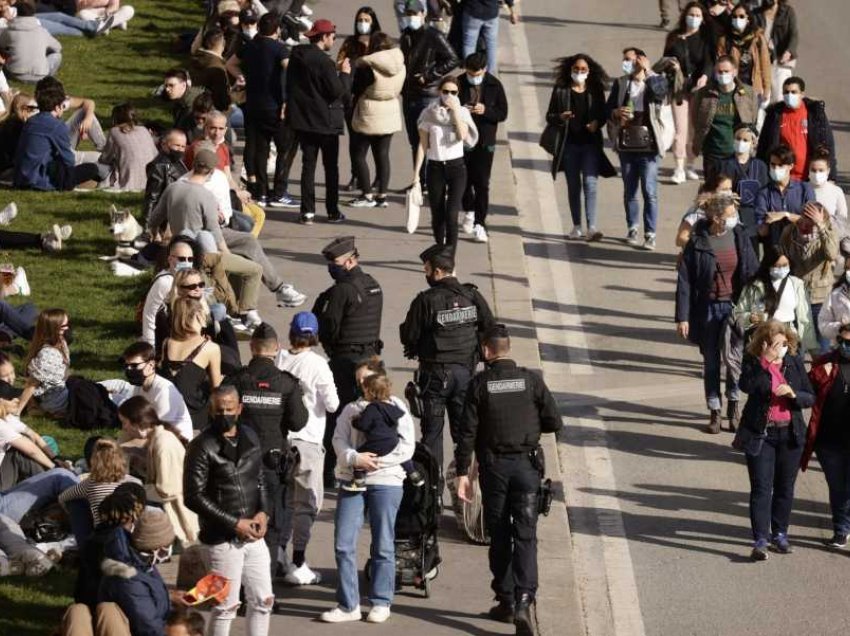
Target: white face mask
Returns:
[[628, 67], [693, 21], [782, 352], [474, 80], [779, 173], [778, 273], [414, 22], [364, 27], [724, 78], [250, 32], [743, 147], [730, 223], [739, 24], [792, 100], [818, 178], [579, 78]]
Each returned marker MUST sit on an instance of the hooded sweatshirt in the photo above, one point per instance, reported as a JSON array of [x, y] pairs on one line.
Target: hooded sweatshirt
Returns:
[[27, 44], [377, 110]]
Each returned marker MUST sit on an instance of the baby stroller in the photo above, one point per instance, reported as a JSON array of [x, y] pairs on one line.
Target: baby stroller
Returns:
[[417, 553]]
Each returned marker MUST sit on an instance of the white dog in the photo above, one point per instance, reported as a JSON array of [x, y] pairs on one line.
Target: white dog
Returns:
[[125, 230]]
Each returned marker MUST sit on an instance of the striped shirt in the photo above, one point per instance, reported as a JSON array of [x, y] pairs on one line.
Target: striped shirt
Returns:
[[94, 492]]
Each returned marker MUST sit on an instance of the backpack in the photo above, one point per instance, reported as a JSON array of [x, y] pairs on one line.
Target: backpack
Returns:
[[89, 405]]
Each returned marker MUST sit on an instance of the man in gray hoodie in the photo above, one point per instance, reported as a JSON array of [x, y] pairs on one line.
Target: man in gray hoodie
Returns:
[[31, 52]]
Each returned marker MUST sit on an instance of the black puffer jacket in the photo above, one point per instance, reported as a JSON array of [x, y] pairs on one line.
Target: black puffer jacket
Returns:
[[223, 483], [316, 93], [162, 172], [428, 56], [820, 131]]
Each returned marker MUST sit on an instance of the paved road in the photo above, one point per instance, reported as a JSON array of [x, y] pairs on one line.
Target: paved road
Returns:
[[657, 508]]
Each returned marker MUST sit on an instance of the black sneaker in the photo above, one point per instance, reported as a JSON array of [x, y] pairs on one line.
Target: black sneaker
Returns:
[[380, 202], [336, 218], [307, 219], [351, 186], [502, 613], [838, 540], [759, 552]]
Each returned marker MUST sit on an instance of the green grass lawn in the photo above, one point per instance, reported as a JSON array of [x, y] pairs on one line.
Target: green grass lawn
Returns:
[[125, 65]]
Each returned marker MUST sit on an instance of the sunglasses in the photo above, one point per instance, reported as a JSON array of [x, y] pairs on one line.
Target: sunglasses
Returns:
[[134, 365], [183, 259], [445, 92], [192, 286], [31, 109]]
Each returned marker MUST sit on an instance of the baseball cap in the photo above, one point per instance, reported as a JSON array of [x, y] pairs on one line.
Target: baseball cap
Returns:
[[205, 158], [321, 27], [304, 323]]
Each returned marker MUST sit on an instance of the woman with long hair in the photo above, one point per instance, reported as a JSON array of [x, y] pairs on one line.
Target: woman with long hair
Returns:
[[47, 363], [577, 107], [22, 107], [745, 43], [692, 45], [129, 149], [166, 452], [779, 22]]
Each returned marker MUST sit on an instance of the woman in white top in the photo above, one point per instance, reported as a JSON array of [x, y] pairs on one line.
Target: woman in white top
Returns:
[[827, 193], [445, 127], [836, 309]]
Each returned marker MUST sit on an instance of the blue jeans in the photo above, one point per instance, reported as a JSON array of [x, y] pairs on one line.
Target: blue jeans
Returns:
[[35, 492], [823, 343], [57, 23], [581, 166], [713, 351], [772, 475], [835, 461], [237, 117], [382, 503], [18, 319], [489, 30], [640, 169]]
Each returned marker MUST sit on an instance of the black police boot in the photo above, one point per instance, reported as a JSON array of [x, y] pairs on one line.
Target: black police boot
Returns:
[[503, 612], [524, 616]]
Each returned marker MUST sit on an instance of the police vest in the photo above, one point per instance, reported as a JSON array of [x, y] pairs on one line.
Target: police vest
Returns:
[[454, 325], [362, 326], [263, 404], [508, 418]]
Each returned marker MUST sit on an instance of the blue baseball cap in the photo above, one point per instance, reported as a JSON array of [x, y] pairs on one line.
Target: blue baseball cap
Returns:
[[305, 322]]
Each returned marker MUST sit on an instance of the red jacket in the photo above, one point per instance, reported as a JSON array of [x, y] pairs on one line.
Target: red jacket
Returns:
[[822, 382]]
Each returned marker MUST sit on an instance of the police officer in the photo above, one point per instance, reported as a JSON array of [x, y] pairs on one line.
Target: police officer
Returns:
[[349, 314], [442, 330], [507, 408], [272, 405]]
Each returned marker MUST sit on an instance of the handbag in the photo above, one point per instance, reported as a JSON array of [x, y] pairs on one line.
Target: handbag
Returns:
[[549, 138], [412, 204], [634, 139]]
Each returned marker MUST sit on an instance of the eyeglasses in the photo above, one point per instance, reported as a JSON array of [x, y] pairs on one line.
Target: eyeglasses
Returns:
[[191, 286], [31, 109], [183, 259], [445, 92]]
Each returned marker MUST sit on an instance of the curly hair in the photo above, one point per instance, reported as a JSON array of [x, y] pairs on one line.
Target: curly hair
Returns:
[[596, 80], [108, 462], [765, 334]]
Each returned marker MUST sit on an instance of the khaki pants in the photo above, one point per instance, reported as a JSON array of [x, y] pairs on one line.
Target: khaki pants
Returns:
[[251, 274], [684, 130], [108, 620]]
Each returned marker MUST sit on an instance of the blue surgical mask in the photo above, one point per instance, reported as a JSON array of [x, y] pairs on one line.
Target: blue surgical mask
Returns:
[[792, 100], [628, 67], [414, 22], [475, 80], [693, 21], [778, 273], [179, 265]]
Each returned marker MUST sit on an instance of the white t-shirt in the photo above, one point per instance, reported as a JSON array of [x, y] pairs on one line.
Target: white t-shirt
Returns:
[[833, 199], [786, 310], [317, 385], [157, 295], [163, 395], [443, 142], [4, 88], [11, 429]]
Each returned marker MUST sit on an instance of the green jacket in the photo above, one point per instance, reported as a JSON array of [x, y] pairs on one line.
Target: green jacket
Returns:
[[753, 294]]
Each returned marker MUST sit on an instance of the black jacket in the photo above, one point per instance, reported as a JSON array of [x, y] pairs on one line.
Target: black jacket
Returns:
[[428, 56], [693, 67], [696, 277], [315, 92], [272, 402], [162, 172], [208, 70], [784, 36], [492, 95], [820, 131], [349, 313], [444, 323], [223, 484], [756, 383], [507, 408]]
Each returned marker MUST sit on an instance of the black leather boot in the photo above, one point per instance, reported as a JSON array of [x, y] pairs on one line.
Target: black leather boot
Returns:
[[524, 616], [503, 612]]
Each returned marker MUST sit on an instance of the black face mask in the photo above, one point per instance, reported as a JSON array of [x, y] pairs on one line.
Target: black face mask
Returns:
[[69, 336], [135, 376], [222, 423], [175, 155], [336, 271]]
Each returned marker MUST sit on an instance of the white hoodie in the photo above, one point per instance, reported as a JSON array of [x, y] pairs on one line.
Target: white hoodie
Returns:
[[317, 385]]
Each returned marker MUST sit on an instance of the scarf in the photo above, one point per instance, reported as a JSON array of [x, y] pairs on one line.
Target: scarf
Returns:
[[438, 115]]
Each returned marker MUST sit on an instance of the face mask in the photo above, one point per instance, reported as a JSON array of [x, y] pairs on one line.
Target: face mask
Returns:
[[249, 33], [693, 21], [844, 348], [730, 224], [135, 376], [160, 556], [363, 27], [414, 22], [818, 178], [743, 147], [69, 336], [724, 79], [430, 280], [783, 351], [792, 100], [474, 80], [579, 78], [336, 271], [182, 265], [739, 24], [175, 155], [778, 174], [778, 273], [223, 423], [628, 66]]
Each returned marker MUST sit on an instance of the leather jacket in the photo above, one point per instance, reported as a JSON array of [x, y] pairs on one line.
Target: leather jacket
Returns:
[[223, 483], [162, 172], [429, 56]]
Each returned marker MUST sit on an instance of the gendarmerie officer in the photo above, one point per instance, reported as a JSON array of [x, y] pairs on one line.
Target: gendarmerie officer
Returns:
[[507, 408], [349, 314], [272, 406], [442, 331]]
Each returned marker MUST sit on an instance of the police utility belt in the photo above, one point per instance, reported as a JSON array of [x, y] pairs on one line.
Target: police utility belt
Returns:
[[283, 461], [538, 461], [376, 346]]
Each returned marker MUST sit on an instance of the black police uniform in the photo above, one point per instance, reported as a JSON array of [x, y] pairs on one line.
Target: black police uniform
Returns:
[[507, 408], [349, 314], [442, 330], [272, 406]]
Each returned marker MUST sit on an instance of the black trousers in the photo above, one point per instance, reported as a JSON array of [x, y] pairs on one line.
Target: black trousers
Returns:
[[380, 145], [509, 493], [12, 240], [277, 493], [69, 177], [479, 165], [261, 128], [311, 144], [446, 184], [443, 389]]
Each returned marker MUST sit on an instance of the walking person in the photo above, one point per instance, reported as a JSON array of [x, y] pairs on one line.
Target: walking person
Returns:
[[480, 20], [780, 203], [749, 175], [349, 316], [779, 22], [745, 43], [773, 432], [835, 311], [634, 110], [507, 409], [668, 9], [716, 264], [691, 43], [315, 96], [484, 96], [225, 487], [577, 107], [445, 128], [827, 192], [827, 435]]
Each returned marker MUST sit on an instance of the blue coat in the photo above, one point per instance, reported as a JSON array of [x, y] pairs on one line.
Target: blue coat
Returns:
[[137, 588], [44, 143], [696, 277]]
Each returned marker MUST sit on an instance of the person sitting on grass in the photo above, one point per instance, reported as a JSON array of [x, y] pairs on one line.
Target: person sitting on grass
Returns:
[[47, 364], [379, 424], [30, 51], [22, 107], [23, 453], [129, 149], [49, 241]]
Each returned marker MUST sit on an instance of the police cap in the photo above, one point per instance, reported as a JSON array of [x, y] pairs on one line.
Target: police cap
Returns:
[[340, 246], [264, 331]]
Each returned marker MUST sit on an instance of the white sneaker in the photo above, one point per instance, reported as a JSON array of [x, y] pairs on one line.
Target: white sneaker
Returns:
[[339, 615], [8, 213], [468, 222], [122, 16], [288, 296], [65, 232], [378, 614], [479, 234], [305, 10], [302, 575], [252, 319], [290, 42], [679, 176], [576, 234], [52, 241], [21, 282], [691, 174], [307, 22]]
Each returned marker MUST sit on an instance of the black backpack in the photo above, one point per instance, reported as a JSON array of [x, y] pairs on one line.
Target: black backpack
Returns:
[[89, 405]]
